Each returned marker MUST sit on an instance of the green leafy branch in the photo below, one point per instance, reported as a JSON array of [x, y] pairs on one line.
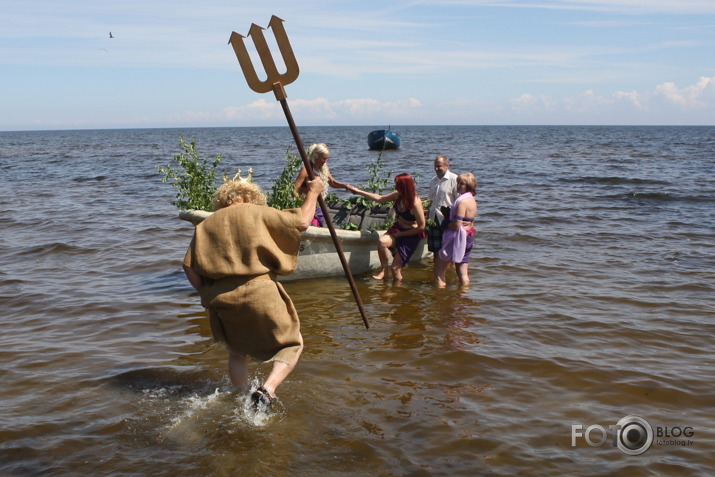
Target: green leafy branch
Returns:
[[195, 178], [378, 180], [281, 196]]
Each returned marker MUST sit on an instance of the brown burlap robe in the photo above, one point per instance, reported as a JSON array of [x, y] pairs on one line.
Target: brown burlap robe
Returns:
[[238, 251]]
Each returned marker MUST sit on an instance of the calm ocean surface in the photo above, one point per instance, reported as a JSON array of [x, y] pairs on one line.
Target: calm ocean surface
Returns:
[[592, 299]]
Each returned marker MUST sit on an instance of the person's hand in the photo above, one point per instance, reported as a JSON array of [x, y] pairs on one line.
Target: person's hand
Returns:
[[339, 185], [315, 186]]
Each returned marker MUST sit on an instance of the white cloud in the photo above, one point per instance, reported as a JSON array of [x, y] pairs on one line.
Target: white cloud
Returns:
[[320, 111], [665, 104], [694, 96], [529, 102], [633, 97], [370, 107], [260, 109]]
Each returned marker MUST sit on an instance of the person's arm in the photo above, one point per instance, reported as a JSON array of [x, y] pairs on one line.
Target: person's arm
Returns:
[[433, 193], [315, 187], [337, 185], [194, 278], [374, 197], [300, 182]]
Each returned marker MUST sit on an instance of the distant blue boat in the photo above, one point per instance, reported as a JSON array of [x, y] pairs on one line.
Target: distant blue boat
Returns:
[[383, 139]]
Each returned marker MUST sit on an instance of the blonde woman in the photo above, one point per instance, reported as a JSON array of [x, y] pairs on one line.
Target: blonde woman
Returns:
[[458, 238], [318, 155], [234, 257]]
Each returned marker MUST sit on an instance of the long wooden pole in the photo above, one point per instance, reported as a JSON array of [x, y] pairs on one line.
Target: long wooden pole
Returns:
[[326, 212], [276, 82]]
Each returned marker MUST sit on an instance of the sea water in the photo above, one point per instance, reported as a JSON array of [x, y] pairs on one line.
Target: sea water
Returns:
[[591, 301]]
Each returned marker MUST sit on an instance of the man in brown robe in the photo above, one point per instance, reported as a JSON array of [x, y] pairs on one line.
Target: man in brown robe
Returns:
[[232, 261]]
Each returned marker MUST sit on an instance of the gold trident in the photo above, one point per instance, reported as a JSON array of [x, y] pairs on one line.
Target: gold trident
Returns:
[[275, 82]]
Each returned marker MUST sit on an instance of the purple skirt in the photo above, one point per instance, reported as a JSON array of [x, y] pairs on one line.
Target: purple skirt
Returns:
[[468, 249], [405, 246], [319, 218]]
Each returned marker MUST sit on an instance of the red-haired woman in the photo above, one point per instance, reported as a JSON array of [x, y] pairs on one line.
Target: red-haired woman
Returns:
[[408, 229]]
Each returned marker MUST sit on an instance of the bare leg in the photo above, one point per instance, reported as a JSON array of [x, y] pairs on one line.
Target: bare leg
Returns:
[[396, 268], [440, 268], [238, 370], [278, 374], [383, 252], [462, 270]]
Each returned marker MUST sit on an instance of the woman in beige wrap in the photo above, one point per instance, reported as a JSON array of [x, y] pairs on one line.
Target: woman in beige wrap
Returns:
[[232, 261]]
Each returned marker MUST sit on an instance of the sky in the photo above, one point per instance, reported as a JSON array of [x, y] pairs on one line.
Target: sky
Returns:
[[421, 62]]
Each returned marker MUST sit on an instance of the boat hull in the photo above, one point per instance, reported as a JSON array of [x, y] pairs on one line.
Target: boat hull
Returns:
[[383, 139], [318, 257]]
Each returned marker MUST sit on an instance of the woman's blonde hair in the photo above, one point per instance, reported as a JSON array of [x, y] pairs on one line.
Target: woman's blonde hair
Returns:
[[316, 149], [238, 192], [469, 180]]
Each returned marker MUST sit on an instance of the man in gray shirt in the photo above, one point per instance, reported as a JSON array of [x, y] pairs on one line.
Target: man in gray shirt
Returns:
[[442, 193]]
